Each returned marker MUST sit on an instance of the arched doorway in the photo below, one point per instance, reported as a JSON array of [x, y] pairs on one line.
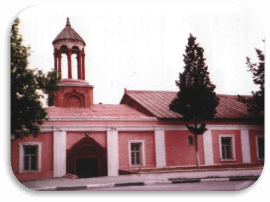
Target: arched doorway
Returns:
[[87, 159]]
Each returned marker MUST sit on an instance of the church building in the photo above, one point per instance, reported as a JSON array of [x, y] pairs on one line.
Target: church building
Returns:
[[89, 140]]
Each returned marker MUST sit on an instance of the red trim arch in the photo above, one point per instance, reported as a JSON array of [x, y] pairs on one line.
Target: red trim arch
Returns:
[[87, 148], [74, 99]]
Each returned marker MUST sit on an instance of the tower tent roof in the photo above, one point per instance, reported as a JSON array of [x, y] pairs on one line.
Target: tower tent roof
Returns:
[[68, 33]]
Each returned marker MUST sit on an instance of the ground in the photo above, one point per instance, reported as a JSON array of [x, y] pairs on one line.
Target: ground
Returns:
[[202, 186]]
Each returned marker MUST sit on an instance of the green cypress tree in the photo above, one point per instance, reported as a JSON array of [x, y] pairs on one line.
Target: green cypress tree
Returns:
[[27, 111], [196, 101], [255, 104]]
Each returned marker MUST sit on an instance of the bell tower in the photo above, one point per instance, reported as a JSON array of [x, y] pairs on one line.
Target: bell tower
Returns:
[[74, 92]]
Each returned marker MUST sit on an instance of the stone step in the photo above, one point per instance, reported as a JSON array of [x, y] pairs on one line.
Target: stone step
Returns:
[[71, 176]]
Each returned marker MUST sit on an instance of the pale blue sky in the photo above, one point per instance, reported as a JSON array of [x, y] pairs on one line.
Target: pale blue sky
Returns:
[[141, 48]]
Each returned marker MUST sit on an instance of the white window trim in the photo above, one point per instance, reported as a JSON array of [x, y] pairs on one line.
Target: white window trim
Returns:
[[233, 148], [143, 152], [257, 147], [21, 156]]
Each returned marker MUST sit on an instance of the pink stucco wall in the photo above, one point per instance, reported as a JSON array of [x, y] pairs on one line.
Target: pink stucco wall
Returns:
[[216, 146], [47, 157], [178, 152], [124, 137], [253, 144]]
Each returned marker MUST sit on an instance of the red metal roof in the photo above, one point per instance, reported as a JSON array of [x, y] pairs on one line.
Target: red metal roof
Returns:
[[157, 103], [96, 111]]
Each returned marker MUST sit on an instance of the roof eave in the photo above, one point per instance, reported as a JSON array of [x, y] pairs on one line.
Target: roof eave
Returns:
[[71, 40], [74, 118]]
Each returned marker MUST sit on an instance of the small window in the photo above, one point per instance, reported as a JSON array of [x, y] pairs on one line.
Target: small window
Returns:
[[227, 148], [190, 140], [226, 144], [260, 147], [136, 151], [30, 158]]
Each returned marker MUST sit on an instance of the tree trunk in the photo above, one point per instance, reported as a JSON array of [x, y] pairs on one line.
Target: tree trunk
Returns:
[[196, 145], [196, 151]]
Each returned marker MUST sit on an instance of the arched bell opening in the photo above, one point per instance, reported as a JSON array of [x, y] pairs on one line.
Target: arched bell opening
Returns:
[[64, 49], [75, 49], [72, 65]]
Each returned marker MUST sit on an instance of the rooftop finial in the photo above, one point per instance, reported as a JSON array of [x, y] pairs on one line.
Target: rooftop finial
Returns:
[[68, 23]]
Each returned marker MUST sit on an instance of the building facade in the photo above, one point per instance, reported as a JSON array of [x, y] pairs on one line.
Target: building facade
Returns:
[[89, 140]]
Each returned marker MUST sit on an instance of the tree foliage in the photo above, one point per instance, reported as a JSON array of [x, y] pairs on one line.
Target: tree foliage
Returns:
[[255, 104], [27, 88], [196, 101]]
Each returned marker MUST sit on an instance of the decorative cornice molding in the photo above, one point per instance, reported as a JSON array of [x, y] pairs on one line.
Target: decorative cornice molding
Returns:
[[142, 128], [78, 85], [74, 118]]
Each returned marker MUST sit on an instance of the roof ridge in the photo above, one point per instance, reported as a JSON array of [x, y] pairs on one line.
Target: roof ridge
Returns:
[[168, 91], [142, 91], [229, 95]]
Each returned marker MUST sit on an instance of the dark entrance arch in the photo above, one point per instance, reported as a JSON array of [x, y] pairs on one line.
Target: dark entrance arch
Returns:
[[87, 159]]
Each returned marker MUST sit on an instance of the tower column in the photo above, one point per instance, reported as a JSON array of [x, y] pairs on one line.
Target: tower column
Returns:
[[79, 58], [55, 60], [83, 65], [59, 64], [69, 64]]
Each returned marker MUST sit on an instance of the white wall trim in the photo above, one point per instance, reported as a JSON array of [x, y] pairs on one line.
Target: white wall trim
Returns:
[[235, 127], [143, 152], [160, 149], [59, 153], [245, 146], [50, 128], [208, 148], [113, 152], [21, 156]]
